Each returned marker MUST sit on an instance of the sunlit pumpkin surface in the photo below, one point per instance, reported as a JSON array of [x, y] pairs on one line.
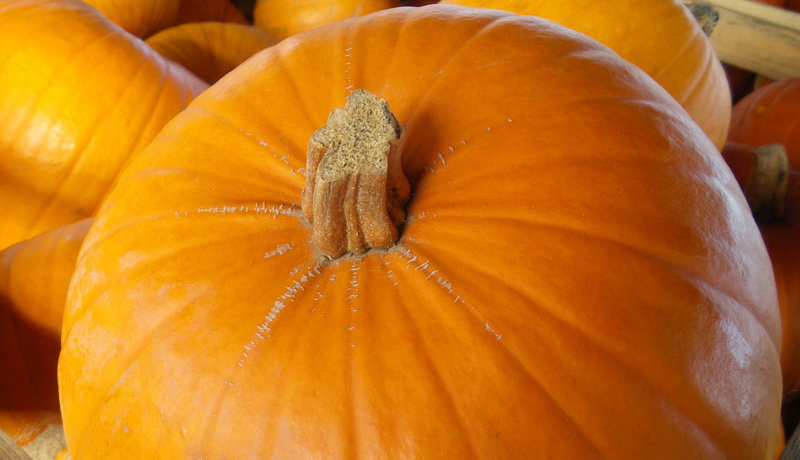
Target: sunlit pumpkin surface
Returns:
[[144, 18], [210, 49], [78, 96], [579, 275], [283, 18], [659, 36]]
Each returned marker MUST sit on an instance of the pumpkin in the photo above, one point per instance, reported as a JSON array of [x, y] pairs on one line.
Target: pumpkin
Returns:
[[35, 293], [772, 189], [69, 124], [143, 18], [659, 36], [782, 243], [576, 272], [210, 49], [769, 115], [34, 276], [282, 18]]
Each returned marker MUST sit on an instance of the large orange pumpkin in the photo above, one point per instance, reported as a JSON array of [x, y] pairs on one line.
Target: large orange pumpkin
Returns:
[[210, 49], [78, 96], [577, 275], [659, 36], [283, 18], [143, 18]]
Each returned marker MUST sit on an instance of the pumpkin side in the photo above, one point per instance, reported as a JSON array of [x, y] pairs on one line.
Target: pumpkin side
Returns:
[[144, 18], [210, 49], [69, 124], [660, 37], [282, 18]]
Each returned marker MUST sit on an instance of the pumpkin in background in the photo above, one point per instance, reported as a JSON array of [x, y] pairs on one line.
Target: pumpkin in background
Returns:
[[143, 18], [34, 277], [35, 274], [659, 36], [577, 273], [282, 18], [210, 49], [783, 244], [69, 124], [769, 115], [772, 188]]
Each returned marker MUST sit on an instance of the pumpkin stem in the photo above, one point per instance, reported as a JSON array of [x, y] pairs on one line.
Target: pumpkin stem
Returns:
[[355, 188], [706, 15], [766, 192]]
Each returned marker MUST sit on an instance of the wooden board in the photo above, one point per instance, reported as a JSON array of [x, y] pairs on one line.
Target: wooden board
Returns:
[[761, 38]]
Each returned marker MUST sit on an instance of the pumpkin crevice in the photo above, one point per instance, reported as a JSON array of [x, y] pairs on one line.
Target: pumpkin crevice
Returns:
[[355, 189]]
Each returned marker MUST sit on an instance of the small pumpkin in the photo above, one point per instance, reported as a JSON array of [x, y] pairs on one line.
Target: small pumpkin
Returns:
[[210, 49], [143, 18], [659, 36], [69, 124], [771, 114], [282, 18], [34, 277], [576, 273]]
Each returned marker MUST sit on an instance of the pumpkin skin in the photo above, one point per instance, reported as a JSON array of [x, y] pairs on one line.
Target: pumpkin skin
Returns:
[[39, 295], [771, 114], [282, 18], [34, 277], [659, 36], [143, 18], [514, 318], [210, 49], [782, 243], [781, 235], [69, 125]]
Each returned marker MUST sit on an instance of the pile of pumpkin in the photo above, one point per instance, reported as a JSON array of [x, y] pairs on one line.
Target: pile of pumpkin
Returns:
[[316, 256]]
